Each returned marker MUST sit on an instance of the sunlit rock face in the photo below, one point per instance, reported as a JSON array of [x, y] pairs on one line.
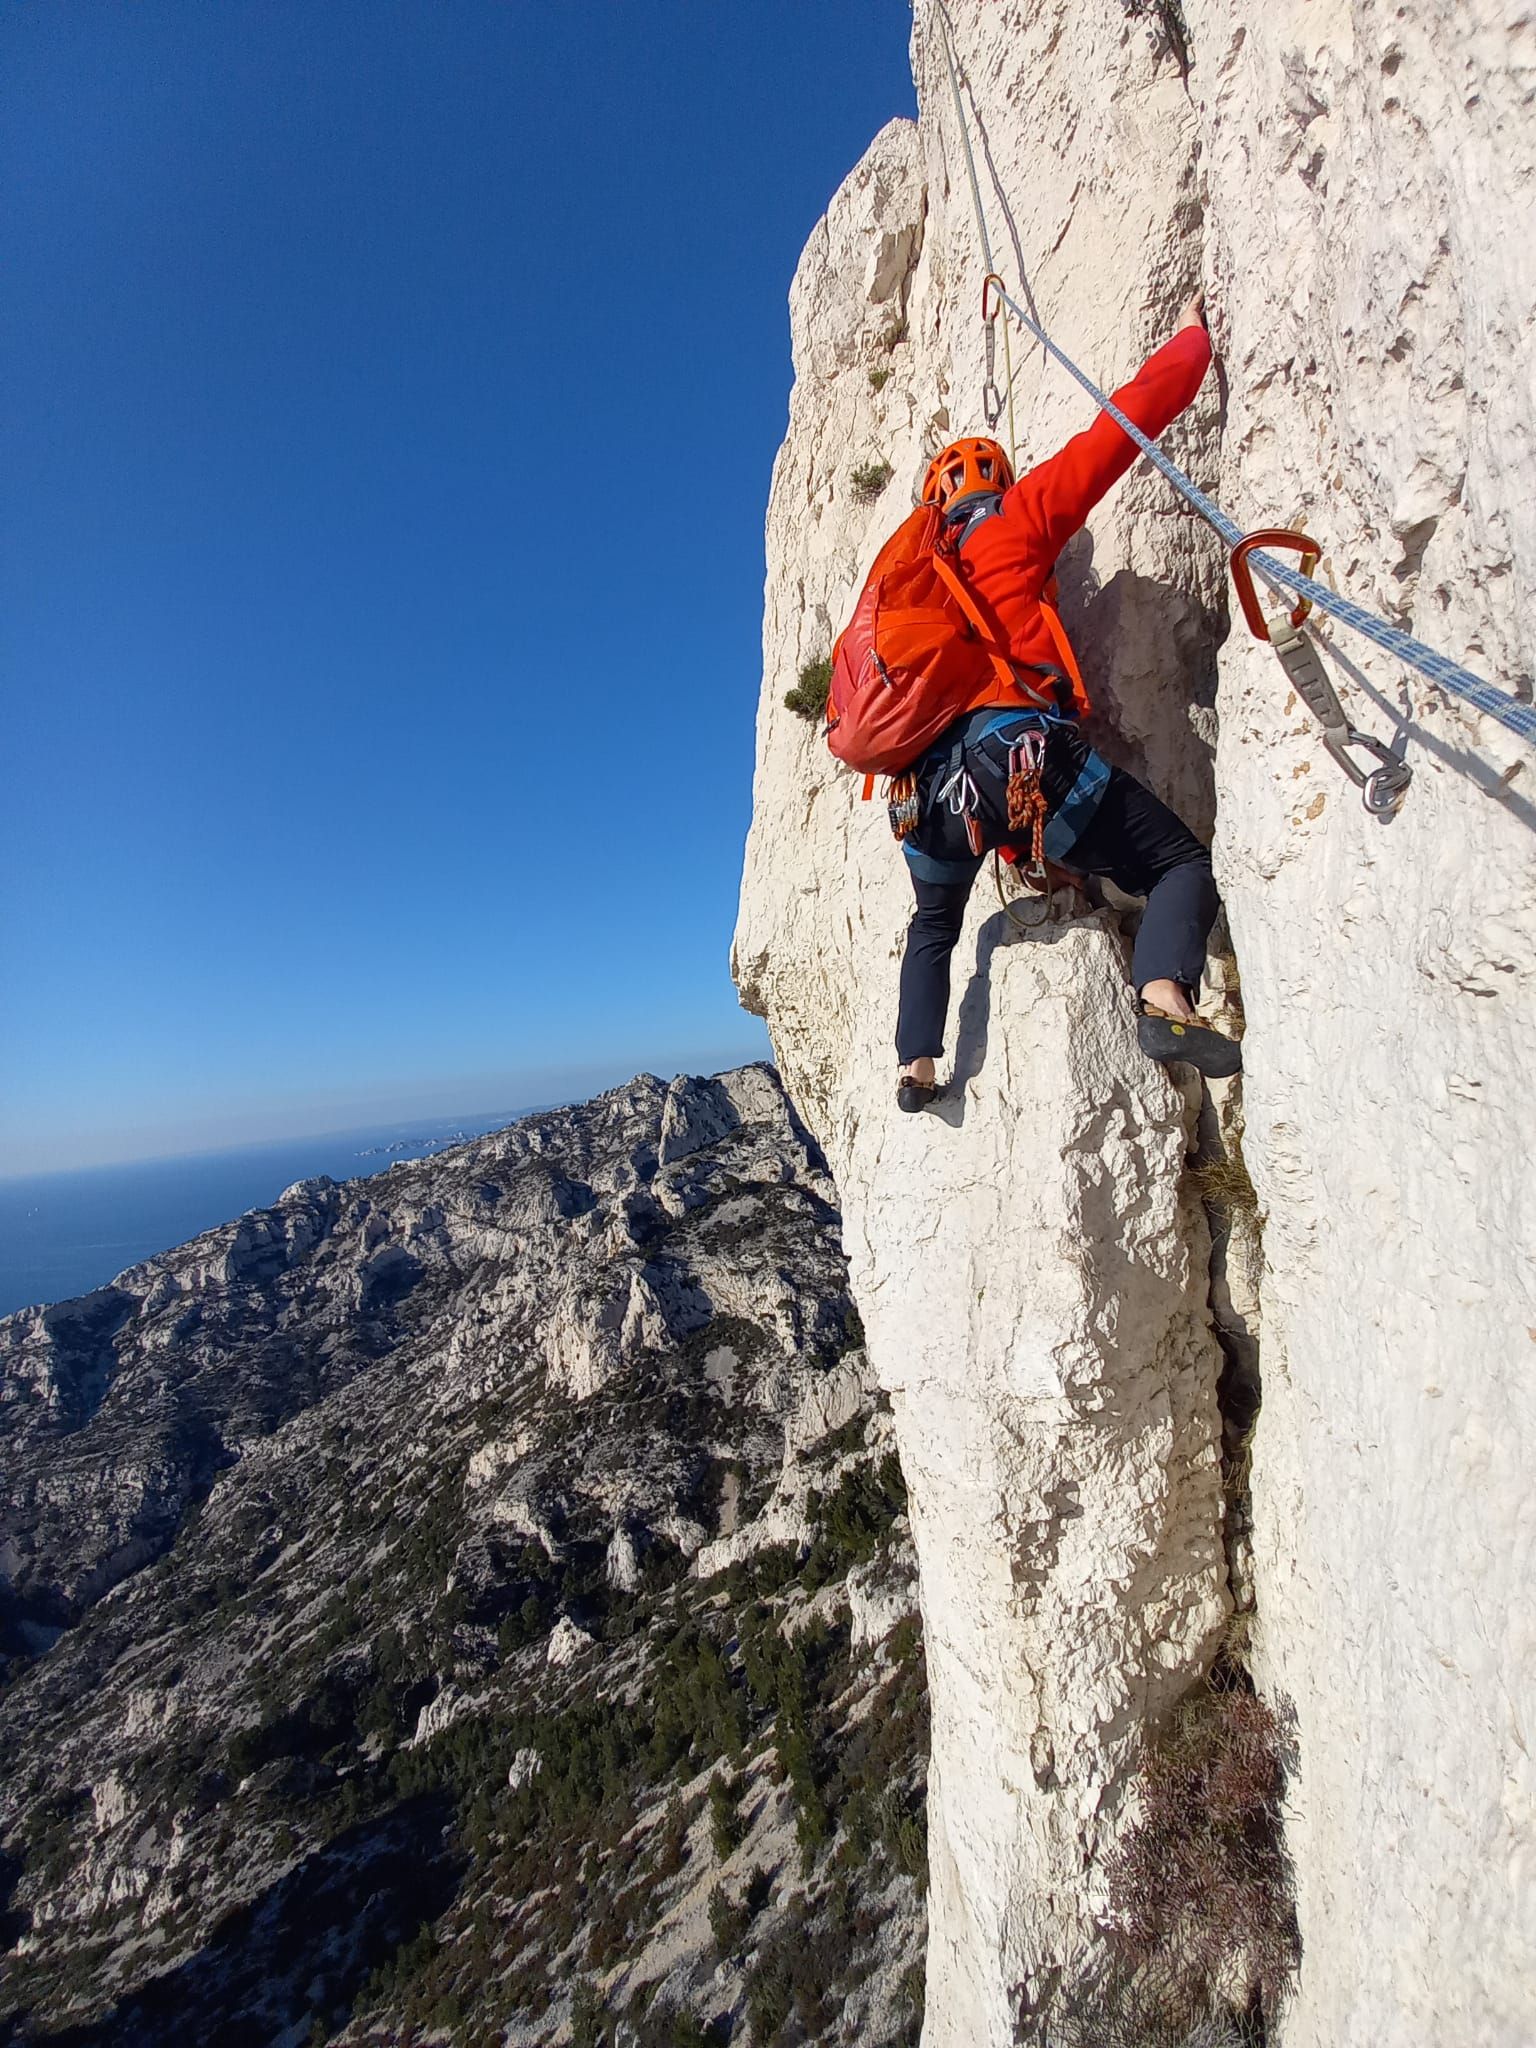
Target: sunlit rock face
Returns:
[[1368, 170], [1029, 1263], [1349, 183]]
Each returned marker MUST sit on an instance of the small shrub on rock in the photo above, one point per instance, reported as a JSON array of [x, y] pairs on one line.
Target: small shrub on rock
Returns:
[[589, 2027], [1200, 1887], [809, 696], [726, 1826], [728, 1922], [869, 480], [672, 1843], [672, 2026], [853, 1521]]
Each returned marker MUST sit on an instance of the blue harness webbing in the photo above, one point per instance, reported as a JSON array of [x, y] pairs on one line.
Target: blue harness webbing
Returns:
[[1066, 823]]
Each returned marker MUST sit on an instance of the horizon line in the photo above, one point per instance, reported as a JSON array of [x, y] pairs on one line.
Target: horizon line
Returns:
[[368, 1126]]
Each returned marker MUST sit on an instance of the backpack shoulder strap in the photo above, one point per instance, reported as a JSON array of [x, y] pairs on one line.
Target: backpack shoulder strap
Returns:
[[1059, 640], [954, 583]]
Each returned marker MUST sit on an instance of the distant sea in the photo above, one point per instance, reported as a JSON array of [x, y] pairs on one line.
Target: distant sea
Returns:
[[61, 1234]]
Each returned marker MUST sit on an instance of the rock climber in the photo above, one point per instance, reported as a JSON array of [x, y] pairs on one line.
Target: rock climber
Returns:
[[1098, 819]]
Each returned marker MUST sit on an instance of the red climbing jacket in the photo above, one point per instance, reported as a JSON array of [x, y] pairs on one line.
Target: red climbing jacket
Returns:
[[932, 638], [1008, 560]]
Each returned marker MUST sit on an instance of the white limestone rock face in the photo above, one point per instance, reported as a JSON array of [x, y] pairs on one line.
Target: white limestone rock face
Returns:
[[1354, 185], [591, 1336], [523, 1769], [567, 1642], [1030, 1269], [877, 1600], [622, 1563], [1372, 172]]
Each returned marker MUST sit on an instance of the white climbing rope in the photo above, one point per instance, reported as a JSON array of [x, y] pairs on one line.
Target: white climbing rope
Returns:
[[1448, 675]]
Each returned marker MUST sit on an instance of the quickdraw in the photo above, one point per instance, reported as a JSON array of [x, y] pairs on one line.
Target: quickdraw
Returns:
[[902, 806], [1027, 807], [961, 796], [1383, 787], [991, 397]]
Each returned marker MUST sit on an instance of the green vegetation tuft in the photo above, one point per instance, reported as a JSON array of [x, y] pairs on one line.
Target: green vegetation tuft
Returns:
[[730, 1920], [869, 480], [726, 1826], [853, 1521], [809, 696]]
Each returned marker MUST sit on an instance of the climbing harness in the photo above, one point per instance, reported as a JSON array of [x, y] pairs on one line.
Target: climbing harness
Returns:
[[1447, 675], [1383, 787]]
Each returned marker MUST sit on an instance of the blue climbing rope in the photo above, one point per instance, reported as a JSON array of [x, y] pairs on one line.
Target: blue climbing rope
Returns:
[[1460, 682], [1439, 668]]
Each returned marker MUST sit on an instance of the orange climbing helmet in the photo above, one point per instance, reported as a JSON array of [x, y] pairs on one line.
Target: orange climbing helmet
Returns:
[[963, 467]]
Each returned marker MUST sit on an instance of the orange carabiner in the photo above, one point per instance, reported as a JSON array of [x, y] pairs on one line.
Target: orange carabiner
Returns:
[[1242, 575], [988, 312]]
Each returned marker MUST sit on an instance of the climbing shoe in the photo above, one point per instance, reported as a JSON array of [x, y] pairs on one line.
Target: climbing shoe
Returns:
[[915, 1095], [1162, 1037]]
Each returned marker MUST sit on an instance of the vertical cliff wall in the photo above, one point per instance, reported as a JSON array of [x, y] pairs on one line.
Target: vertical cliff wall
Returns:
[[1370, 180], [1350, 182], [1030, 1264]]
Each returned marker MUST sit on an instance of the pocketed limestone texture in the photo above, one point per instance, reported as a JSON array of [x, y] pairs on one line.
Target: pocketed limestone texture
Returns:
[[1371, 170], [1351, 183], [1028, 1263]]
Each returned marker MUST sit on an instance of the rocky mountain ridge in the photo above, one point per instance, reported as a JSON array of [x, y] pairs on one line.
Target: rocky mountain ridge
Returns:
[[472, 1603]]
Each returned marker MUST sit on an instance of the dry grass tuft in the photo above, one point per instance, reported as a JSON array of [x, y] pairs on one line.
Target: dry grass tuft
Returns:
[[1121, 2013], [1225, 1184], [1200, 1887]]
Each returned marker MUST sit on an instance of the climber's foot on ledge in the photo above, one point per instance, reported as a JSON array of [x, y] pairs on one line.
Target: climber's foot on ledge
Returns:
[[1165, 1037], [916, 1085]]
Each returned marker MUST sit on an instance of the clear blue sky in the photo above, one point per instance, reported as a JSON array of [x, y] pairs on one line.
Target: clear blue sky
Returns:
[[390, 397]]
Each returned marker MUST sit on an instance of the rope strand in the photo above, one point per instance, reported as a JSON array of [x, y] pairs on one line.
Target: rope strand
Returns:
[[1448, 675]]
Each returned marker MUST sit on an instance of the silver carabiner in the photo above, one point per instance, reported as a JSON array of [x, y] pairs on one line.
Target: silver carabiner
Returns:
[[991, 397], [1382, 788]]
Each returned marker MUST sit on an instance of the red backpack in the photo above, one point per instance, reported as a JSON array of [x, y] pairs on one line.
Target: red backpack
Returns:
[[918, 652]]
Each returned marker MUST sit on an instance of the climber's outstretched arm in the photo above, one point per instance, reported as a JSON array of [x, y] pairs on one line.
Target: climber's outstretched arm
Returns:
[[1055, 498]]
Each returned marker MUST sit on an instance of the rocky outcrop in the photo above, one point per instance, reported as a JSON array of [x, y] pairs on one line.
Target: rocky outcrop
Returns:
[[121, 1408], [394, 1582], [1031, 1268], [1029, 1263]]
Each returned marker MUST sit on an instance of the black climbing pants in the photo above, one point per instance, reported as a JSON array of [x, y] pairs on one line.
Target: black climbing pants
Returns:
[[1132, 837]]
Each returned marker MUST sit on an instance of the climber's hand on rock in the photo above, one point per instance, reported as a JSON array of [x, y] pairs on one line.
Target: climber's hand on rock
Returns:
[[1193, 314]]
